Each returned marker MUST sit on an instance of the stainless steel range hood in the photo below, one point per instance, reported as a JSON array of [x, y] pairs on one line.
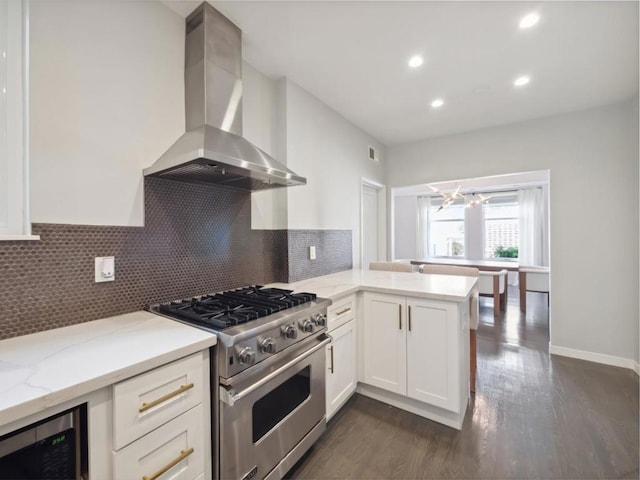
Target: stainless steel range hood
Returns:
[[213, 150]]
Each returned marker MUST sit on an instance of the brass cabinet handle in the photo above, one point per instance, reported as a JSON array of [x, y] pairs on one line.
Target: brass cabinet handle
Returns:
[[409, 308], [342, 312], [183, 388], [183, 454], [331, 353], [400, 316]]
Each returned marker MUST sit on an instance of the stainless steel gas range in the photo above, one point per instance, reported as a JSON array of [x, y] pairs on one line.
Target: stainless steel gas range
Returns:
[[268, 376]]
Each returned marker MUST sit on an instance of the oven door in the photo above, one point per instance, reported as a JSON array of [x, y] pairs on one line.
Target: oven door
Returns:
[[268, 410]]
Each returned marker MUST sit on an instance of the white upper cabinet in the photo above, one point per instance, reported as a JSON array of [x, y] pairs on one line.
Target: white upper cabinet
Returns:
[[14, 106]]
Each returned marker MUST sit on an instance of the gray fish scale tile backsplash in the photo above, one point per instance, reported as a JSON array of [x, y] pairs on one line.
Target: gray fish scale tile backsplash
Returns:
[[333, 253], [196, 239]]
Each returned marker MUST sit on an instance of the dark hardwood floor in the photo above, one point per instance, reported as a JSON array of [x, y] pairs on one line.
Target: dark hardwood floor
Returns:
[[533, 416]]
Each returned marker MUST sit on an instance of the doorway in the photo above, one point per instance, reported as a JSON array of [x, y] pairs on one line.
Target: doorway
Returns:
[[506, 224], [372, 223]]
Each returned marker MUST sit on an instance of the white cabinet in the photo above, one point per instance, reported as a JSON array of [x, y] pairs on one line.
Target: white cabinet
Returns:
[[341, 311], [412, 347], [385, 357], [341, 367], [159, 422], [151, 399], [175, 449], [432, 353], [341, 375]]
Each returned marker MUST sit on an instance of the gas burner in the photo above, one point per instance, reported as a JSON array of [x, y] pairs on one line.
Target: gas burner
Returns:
[[251, 323], [219, 311]]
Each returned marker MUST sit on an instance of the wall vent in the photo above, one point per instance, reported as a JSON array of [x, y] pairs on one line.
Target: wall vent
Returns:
[[373, 154]]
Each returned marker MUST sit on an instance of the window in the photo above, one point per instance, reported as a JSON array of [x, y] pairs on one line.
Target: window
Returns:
[[501, 227], [487, 230], [14, 218], [446, 229]]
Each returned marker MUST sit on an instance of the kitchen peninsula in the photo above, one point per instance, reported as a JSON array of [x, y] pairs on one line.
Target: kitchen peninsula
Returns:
[[412, 344], [411, 350]]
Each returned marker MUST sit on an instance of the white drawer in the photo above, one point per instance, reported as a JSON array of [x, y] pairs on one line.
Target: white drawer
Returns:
[[173, 451], [151, 399], [341, 311]]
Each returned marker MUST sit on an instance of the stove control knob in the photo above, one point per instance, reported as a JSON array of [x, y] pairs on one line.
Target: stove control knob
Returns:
[[320, 320], [268, 345], [247, 356], [307, 326], [289, 331]]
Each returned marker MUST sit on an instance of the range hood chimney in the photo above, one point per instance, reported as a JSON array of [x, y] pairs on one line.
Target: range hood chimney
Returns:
[[212, 150]]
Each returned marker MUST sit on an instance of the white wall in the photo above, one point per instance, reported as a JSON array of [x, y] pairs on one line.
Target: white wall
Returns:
[[636, 114], [261, 125], [473, 233], [107, 99], [332, 153], [593, 160], [405, 227]]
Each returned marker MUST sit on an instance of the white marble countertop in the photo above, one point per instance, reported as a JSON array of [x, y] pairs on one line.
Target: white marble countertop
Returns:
[[436, 287], [48, 368]]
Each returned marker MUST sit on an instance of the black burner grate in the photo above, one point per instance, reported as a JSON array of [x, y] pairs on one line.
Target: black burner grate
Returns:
[[226, 309]]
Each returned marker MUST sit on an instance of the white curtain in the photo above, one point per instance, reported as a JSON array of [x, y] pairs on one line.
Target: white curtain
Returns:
[[423, 226], [531, 225]]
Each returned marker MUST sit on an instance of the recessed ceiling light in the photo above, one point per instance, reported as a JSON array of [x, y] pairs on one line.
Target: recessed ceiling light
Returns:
[[529, 20], [521, 81], [415, 61], [437, 103]]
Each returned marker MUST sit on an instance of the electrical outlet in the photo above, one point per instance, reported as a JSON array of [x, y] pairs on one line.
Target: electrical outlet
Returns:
[[105, 269], [312, 253]]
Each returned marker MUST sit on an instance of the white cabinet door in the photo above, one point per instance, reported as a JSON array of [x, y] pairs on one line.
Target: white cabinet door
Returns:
[[144, 402], [432, 353], [173, 451], [341, 311], [385, 360], [341, 367]]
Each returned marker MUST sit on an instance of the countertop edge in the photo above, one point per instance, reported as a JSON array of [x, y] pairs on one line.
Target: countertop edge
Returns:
[[26, 396], [339, 284], [412, 293], [36, 405]]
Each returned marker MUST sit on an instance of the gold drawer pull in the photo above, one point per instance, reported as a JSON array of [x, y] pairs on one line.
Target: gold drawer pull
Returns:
[[183, 454], [342, 312], [183, 388]]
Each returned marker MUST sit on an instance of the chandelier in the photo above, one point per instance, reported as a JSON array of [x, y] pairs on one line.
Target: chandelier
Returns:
[[470, 201]]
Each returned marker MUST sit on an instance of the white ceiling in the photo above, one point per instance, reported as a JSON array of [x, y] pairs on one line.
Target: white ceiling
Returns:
[[353, 56]]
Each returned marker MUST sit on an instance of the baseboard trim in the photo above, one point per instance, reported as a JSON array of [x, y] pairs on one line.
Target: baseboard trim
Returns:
[[437, 414], [595, 357]]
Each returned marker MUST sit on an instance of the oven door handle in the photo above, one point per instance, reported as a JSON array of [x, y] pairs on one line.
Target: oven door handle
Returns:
[[229, 396]]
